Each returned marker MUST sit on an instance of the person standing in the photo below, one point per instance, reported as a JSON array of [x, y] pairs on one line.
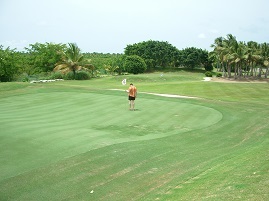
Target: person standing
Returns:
[[132, 93]]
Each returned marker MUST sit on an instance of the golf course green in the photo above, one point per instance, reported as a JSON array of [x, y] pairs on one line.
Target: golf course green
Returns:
[[77, 140]]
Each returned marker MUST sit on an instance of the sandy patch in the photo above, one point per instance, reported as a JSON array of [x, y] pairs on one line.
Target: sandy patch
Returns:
[[169, 95], [206, 79], [164, 95], [232, 80]]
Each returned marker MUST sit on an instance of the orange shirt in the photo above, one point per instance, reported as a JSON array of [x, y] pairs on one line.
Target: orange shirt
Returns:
[[132, 91]]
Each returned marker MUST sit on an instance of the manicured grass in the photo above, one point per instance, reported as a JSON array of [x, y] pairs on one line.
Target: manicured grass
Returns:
[[77, 140]]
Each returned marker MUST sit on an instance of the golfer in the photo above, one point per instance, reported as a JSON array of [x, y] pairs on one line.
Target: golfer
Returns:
[[132, 92]]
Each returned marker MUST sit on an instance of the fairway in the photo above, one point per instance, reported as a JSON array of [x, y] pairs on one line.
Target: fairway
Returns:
[[78, 141], [45, 127]]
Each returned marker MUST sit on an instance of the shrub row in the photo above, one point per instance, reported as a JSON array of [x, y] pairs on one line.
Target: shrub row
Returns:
[[80, 75]]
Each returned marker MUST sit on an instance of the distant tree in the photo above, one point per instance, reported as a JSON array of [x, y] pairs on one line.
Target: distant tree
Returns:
[[24, 63], [118, 62], [111, 69], [252, 57], [154, 53], [206, 60], [135, 64], [73, 60], [101, 61], [239, 59], [115, 64], [43, 57], [91, 68], [8, 65], [264, 48], [193, 57]]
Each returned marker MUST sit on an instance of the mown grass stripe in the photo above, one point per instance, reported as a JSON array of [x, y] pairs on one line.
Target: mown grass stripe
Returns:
[[83, 126], [164, 150]]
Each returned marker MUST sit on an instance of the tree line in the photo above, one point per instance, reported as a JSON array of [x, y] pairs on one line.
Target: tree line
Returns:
[[162, 54], [230, 57], [67, 60], [239, 59]]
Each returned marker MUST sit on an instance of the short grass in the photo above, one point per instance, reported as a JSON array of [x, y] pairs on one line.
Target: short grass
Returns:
[[77, 140]]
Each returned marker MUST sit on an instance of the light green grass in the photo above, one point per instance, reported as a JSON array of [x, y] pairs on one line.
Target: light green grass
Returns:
[[60, 141]]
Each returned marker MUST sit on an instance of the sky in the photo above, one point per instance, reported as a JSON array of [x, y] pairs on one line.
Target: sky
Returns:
[[108, 26]]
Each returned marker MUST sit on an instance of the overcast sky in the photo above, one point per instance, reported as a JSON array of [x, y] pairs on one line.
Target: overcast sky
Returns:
[[108, 26]]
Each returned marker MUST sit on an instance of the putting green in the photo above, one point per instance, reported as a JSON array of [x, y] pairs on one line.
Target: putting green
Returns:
[[41, 128]]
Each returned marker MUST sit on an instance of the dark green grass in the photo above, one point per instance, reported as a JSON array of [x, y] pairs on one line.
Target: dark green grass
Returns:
[[60, 141]]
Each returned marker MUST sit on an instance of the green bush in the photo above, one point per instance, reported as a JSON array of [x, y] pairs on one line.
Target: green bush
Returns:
[[82, 75], [208, 74], [43, 76], [56, 75], [23, 78], [219, 75], [208, 67], [135, 64], [69, 76]]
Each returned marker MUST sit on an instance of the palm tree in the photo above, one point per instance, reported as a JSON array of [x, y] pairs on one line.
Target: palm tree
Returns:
[[218, 44], [265, 56], [230, 44], [71, 60], [252, 55], [239, 57], [224, 47]]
